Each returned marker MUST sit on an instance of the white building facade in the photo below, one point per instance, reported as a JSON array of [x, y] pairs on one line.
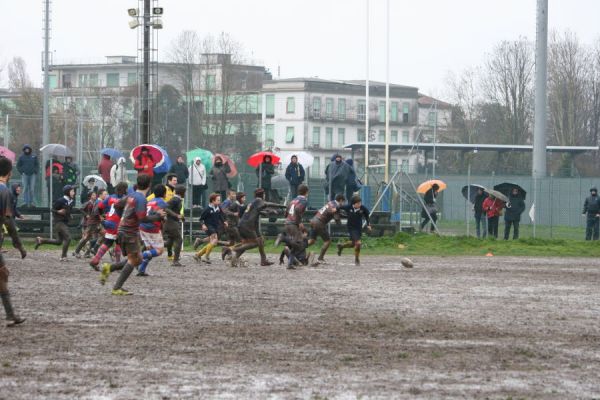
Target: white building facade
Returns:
[[322, 116]]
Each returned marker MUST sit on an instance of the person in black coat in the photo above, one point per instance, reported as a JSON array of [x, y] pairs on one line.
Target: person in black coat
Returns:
[[430, 207], [512, 215], [480, 215], [181, 170], [591, 209], [294, 173], [264, 173]]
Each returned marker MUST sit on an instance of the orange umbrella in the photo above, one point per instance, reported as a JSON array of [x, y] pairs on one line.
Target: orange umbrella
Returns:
[[425, 186]]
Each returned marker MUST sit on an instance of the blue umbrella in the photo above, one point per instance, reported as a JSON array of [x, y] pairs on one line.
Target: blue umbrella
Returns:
[[112, 153], [166, 165]]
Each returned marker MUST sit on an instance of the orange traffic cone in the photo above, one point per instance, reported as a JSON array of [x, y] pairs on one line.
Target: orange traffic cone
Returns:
[[489, 254]]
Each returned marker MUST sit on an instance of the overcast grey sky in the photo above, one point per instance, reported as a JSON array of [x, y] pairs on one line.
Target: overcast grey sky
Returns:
[[324, 38]]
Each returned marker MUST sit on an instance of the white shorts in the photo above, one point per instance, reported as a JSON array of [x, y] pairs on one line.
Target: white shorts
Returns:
[[154, 240]]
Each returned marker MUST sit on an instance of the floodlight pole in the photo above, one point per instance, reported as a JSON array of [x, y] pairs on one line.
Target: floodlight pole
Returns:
[[387, 95], [145, 117], [366, 162], [45, 110]]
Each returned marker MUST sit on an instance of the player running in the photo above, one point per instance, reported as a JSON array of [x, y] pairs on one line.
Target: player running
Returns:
[[232, 209], [355, 212], [93, 225], [318, 224], [134, 213], [213, 222], [151, 232], [172, 226], [112, 210], [5, 218], [248, 229], [61, 210]]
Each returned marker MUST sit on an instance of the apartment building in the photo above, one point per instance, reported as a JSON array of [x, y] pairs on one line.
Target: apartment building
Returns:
[[323, 116]]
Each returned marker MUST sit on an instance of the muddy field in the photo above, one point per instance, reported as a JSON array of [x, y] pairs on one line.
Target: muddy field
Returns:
[[449, 328]]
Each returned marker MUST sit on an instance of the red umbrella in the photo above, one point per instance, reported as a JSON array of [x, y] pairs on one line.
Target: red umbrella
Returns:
[[257, 158], [153, 150], [226, 160], [4, 152]]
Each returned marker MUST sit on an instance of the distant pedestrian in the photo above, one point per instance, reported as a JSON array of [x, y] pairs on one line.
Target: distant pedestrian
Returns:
[[429, 212], [197, 175], [28, 166], [480, 215], [218, 175], [181, 170], [512, 215], [294, 173], [493, 208], [591, 209], [104, 167]]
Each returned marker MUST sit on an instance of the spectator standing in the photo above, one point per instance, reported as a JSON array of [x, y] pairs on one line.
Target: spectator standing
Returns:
[[430, 207], [352, 184], [265, 172], [336, 176], [57, 179], [591, 209], [70, 172], [294, 173], [480, 216], [180, 170], [28, 166], [104, 167], [197, 175], [118, 172], [512, 215], [144, 163], [493, 209], [218, 175]]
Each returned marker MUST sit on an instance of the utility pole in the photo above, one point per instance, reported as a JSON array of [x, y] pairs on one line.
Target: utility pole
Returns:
[[387, 95], [541, 57], [367, 106], [45, 111], [145, 115]]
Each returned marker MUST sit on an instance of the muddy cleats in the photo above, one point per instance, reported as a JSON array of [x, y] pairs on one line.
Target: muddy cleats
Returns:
[[205, 260], [14, 321], [63, 259], [176, 263], [104, 274], [121, 292], [94, 266], [339, 249], [38, 243], [356, 261], [312, 260], [76, 255], [170, 258], [196, 258], [265, 263], [234, 261], [225, 251], [142, 273], [23, 252]]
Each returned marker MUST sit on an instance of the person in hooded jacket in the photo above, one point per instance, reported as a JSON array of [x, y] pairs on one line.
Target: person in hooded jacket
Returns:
[[295, 174], [336, 176], [512, 215], [264, 173], [197, 175], [104, 167], [591, 209], [70, 171], [144, 163], [118, 173], [218, 175], [28, 166], [493, 209]]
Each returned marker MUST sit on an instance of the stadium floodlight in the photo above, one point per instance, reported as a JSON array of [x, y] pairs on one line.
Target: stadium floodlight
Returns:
[[134, 23], [157, 10], [157, 24], [133, 12]]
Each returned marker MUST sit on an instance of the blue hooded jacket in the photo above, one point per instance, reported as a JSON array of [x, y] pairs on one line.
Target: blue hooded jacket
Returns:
[[28, 164]]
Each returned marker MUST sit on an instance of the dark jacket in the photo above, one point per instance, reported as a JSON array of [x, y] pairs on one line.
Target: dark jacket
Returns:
[[14, 200], [352, 182], [338, 175], [218, 175], [62, 203], [28, 164], [478, 204], [267, 170], [514, 208], [70, 172], [294, 173], [180, 169], [591, 206]]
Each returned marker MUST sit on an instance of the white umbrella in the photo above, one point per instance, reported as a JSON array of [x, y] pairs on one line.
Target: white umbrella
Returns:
[[56, 150], [304, 158], [99, 182]]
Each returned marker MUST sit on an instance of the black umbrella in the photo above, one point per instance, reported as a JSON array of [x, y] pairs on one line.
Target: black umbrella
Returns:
[[474, 190], [507, 187]]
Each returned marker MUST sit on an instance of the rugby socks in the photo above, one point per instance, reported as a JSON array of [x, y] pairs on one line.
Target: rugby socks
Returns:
[[99, 254], [118, 253], [147, 255], [10, 314], [127, 270], [205, 250], [323, 251], [118, 265]]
